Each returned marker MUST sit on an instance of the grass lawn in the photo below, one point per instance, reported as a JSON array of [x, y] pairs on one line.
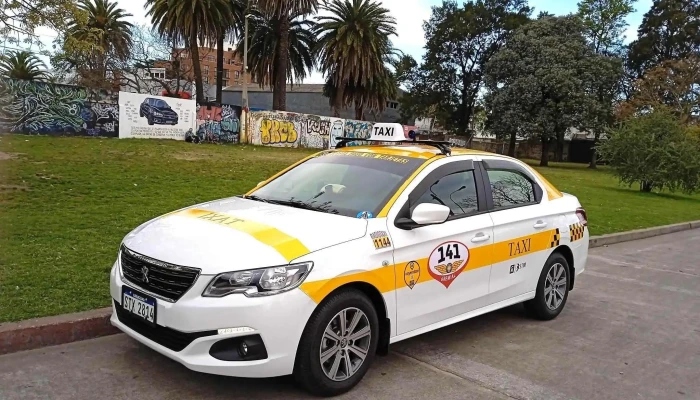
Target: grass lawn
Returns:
[[66, 203]]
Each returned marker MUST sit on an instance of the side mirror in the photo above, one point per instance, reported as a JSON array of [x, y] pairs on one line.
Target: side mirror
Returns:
[[424, 214]]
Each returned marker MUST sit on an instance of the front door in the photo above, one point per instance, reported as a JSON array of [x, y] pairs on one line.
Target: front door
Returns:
[[442, 271]]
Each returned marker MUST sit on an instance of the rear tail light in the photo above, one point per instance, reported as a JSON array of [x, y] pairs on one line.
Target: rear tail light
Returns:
[[582, 217]]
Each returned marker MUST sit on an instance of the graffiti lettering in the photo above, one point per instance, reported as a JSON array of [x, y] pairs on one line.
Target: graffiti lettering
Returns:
[[217, 124], [274, 132]]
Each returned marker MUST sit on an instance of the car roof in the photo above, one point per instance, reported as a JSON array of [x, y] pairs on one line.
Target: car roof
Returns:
[[422, 151]]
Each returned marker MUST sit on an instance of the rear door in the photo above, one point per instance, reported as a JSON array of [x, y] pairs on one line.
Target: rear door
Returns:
[[442, 270], [523, 228]]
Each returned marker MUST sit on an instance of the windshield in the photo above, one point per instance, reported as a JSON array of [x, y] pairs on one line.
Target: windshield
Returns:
[[160, 104], [345, 183]]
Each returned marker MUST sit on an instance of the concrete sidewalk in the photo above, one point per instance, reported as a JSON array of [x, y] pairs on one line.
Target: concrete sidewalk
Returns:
[[631, 330]]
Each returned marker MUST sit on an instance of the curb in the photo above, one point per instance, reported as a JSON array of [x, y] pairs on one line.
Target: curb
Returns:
[[605, 240], [50, 331]]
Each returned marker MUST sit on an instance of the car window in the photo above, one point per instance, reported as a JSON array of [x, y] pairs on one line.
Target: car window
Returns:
[[344, 183], [159, 103], [456, 191], [510, 188]]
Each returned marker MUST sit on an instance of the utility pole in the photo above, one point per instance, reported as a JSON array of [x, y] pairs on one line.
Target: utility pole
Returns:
[[245, 63]]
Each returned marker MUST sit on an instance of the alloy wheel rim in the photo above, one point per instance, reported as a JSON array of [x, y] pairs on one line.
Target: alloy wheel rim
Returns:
[[345, 344], [555, 286]]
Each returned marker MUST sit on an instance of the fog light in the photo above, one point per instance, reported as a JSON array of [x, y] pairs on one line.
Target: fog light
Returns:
[[244, 349]]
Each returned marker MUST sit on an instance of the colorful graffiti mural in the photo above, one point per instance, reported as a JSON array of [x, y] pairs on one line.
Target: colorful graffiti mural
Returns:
[[303, 130], [43, 108], [218, 123]]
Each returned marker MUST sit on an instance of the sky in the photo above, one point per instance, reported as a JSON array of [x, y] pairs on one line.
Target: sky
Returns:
[[409, 15]]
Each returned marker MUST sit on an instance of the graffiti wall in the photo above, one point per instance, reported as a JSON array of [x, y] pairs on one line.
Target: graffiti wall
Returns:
[[217, 124], [43, 108], [286, 129]]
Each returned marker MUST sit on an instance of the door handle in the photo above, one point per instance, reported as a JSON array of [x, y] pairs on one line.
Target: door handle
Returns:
[[540, 224], [480, 237]]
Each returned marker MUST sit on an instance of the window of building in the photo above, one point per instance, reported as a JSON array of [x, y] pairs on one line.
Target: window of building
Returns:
[[206, 80], [237, 74], [456, 191], [183, 54], [210, 58], [510, 188], [227, 74], [225, 82]]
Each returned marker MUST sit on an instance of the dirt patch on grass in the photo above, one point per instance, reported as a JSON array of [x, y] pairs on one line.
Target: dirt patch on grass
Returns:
[[192, 156], [9, 156]]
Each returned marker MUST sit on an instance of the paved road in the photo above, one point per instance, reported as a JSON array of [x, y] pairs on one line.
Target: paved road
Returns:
[[631, 330]]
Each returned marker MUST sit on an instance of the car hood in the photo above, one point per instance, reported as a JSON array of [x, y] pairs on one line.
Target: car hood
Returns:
[[237, 234]]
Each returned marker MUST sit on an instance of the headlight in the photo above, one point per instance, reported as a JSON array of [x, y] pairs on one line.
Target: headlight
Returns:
[[259, 282], [158, 113]]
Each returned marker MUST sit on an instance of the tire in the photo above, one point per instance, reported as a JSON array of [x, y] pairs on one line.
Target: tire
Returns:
[[140, 113], [150, 120], [543, 306], [314, 375]]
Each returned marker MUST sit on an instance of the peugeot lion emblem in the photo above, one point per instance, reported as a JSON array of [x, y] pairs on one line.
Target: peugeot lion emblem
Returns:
[[144, 271]]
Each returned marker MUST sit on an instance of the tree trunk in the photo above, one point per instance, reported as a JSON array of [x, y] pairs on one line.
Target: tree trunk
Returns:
[[279, 94], [359, 112], [219, 67], [511, 145], [594, 158], [645, 186], [338, 100], [544, 160], [560, 146], [194, 50]]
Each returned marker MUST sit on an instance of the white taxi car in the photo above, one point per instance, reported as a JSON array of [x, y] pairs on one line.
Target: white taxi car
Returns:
[[325, 264]]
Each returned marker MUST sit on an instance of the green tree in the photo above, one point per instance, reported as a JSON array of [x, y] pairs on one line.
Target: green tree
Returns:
[[604, 25], [656, 151], [22, 65], [193, 22], [353, 47], [539, 83], [670, 30], [19, 18], [459, 43], [284, 10], [264, 42]]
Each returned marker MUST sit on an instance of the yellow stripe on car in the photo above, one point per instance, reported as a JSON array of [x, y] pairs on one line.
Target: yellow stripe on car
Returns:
[[391, 277], [289, 247]]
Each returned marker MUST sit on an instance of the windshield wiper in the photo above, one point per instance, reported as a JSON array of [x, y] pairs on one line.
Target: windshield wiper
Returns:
[[303, 206], [258, 198]]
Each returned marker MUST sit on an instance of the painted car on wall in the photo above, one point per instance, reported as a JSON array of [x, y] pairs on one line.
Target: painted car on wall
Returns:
[[158, 112], [322, 266]]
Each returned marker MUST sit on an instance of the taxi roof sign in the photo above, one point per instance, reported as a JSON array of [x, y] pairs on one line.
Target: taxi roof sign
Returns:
[[388, 133], [383, 133]]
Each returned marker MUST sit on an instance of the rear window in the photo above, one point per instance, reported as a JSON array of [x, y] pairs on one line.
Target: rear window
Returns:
[[345, 183]]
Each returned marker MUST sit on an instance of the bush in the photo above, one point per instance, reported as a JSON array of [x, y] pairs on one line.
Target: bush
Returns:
[[655, 150]]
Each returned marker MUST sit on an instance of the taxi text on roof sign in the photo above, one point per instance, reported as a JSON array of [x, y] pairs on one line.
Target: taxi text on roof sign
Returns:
[[388, 133]]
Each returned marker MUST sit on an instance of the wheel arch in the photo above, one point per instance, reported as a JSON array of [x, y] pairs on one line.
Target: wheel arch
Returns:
[[566, 252], [379, 304]]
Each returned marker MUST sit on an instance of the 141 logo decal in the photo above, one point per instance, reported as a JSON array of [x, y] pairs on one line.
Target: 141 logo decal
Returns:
[[447, 261]]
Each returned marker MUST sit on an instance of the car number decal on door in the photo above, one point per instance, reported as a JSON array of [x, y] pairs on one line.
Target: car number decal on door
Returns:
[[380, 240], [447, 261]]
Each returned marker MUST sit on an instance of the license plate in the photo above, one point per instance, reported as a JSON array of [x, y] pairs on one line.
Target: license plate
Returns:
[[139, 304]]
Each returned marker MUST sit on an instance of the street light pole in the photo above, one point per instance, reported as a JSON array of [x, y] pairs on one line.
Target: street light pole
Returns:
[[245, 64]]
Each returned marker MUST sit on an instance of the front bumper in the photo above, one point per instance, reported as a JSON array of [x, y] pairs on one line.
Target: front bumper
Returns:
[[164, 121], [278, 319]]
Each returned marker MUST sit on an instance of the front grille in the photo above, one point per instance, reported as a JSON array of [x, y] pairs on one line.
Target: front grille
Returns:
[[166, 337], [166, 280]]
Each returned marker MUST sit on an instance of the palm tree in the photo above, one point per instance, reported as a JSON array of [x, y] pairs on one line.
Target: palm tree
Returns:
[[281, 9], [106, 27], [192, 22], [264, 43], [353, 46], [22, 65], [230, 27]]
